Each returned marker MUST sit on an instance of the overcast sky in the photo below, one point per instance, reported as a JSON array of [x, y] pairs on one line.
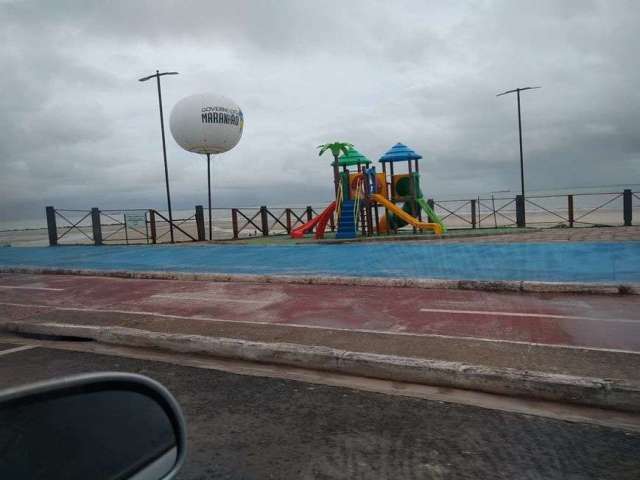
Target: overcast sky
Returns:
[[78, 130]]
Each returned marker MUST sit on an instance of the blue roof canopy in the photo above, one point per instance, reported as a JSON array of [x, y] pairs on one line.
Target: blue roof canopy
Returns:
[[399, 153]]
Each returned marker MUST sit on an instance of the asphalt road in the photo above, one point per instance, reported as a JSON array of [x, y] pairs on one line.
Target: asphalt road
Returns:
[[246, 427]]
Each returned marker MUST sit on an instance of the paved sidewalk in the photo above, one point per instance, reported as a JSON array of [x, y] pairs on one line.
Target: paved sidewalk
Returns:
[[583, 335], [566, 262], [581, 234]]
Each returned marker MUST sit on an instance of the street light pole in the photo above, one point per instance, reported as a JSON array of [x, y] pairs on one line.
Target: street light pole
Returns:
[[157, 75], [517, 91], [209, 190], [520, 139]]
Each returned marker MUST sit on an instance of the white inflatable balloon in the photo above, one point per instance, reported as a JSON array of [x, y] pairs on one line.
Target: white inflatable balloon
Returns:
[[206, 123]]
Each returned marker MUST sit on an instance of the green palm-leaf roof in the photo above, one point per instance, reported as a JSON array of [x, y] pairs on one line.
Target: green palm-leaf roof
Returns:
[[353, 157]]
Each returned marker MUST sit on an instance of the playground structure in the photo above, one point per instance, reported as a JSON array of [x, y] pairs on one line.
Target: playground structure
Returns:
[[360, 194]]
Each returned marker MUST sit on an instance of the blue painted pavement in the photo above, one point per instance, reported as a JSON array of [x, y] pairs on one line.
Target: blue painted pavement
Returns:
[[583, 262]]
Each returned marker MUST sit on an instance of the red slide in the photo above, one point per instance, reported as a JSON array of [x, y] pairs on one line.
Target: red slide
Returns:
[[320, 220]]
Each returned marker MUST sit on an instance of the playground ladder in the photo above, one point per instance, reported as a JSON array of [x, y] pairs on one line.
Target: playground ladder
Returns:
[[347, 223]]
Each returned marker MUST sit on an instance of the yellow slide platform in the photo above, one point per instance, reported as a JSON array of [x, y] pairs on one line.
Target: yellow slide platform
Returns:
[[392, 207]]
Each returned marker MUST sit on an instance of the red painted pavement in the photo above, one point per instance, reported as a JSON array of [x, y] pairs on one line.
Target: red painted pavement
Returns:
[[608, 321]]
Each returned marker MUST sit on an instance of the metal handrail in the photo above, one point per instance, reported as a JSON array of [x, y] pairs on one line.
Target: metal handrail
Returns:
[[123, 210], [494, 211], [598, 207], [277, 220], [249, 221], [453, 212], [74, 225], [175, 225], [299, 219], [356, 204], [339, 199], [124, 226], [544, 209]]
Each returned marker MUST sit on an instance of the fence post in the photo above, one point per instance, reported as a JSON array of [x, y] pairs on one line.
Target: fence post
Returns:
[[627, 207], [95, 225], [234, 223], [473, 212], [287, 213], [200, 223], [152, 224], [309, 212], [265, 221], [520, 218], [432, 205], [570, 209], [51, 226]]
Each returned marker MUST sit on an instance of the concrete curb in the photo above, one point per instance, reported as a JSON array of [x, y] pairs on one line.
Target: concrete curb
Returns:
[[426, 283], [598, 392]]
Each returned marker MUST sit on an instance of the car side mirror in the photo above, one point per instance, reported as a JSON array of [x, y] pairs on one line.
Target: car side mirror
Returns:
[[95, 426]]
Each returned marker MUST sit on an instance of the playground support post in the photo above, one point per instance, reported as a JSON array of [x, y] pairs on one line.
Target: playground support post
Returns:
[[412, 192], [336, 175], [367, 202], [377, 218], [418, 180], [391, 195], [387, 194]]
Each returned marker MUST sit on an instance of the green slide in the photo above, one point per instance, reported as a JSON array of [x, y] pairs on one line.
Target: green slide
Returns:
[[395, 221], [429, 211], [425, 206]]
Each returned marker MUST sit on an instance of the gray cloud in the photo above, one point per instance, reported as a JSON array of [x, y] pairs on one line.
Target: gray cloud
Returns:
[[78, 130]]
